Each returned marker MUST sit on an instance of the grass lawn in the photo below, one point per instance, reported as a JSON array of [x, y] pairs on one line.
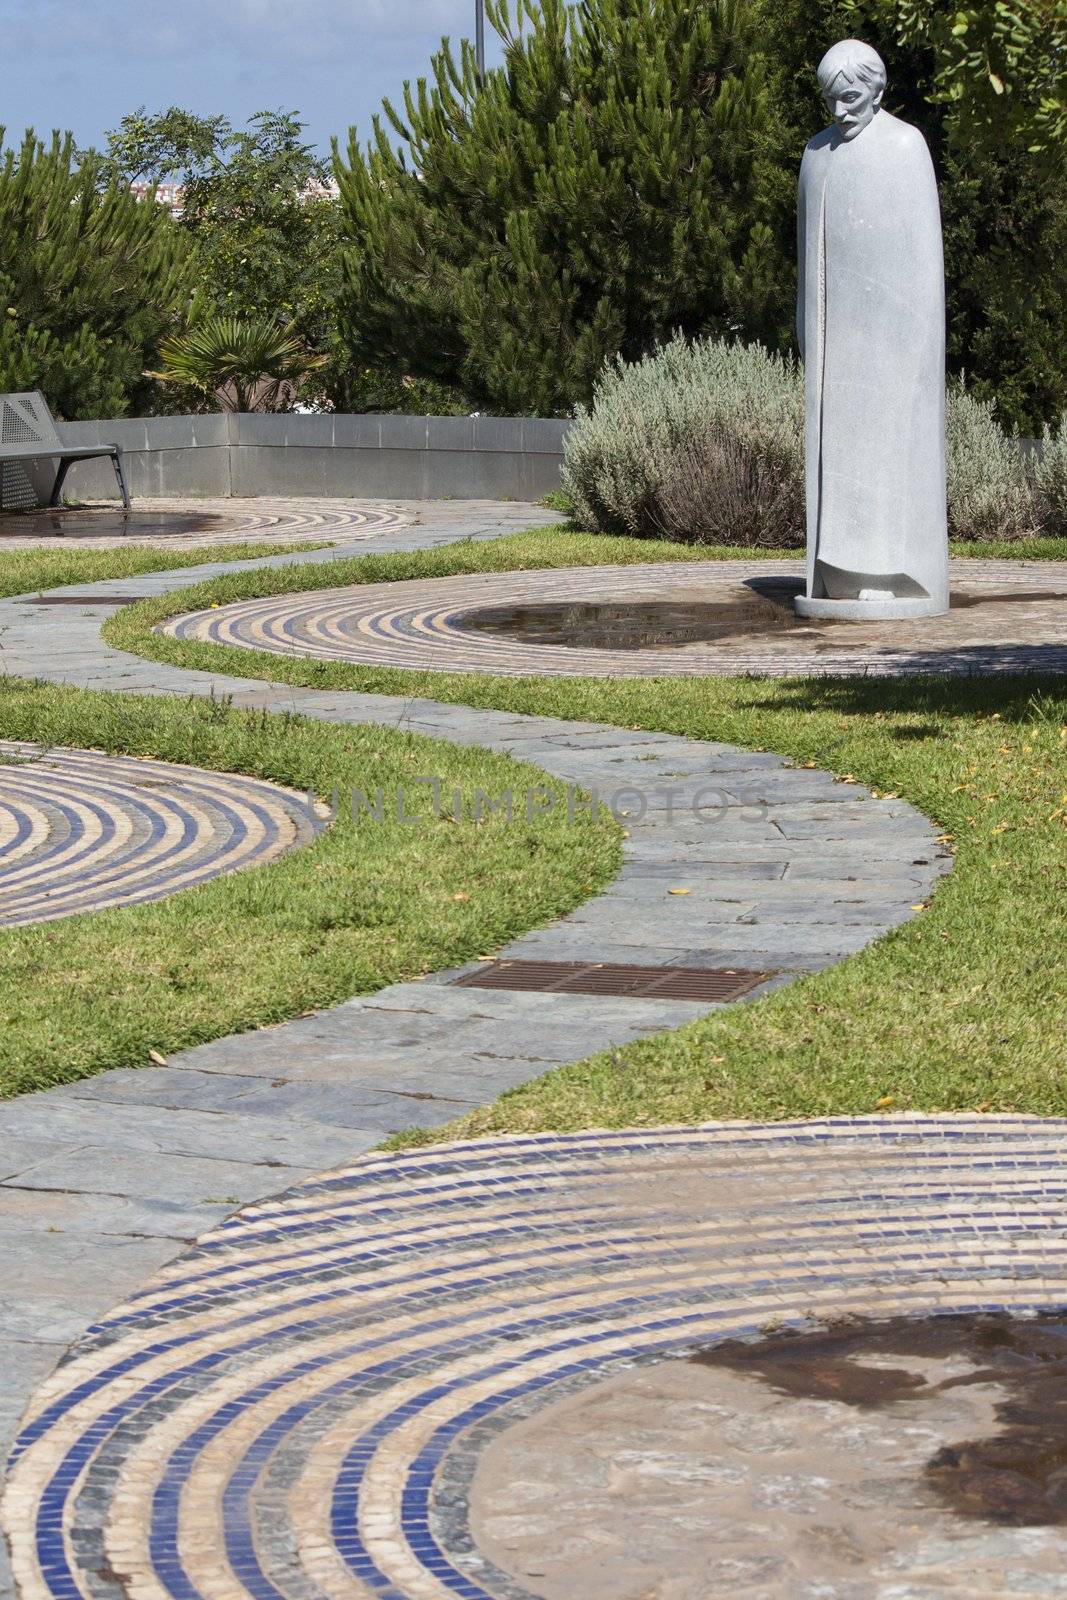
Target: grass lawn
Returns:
[[964, 1007], [29, 570], [367, 904]]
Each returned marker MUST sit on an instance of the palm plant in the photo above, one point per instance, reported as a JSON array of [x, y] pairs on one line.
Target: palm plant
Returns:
[[245, 363]]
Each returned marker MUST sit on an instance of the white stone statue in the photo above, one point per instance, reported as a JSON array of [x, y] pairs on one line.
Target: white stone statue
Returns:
[[871, 323]]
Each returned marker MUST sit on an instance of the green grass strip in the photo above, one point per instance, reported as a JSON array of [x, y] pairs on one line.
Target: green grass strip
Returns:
[[367, 904], [27, 571]]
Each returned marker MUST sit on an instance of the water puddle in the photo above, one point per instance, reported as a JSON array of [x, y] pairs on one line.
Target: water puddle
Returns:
[[1016, 1475], [643, 624], [761, 608], [82, 524]]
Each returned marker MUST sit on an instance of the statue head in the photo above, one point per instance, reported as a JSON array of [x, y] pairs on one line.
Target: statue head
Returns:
[[852, 78]]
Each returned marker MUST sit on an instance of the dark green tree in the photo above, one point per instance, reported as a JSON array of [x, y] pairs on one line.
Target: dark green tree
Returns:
[[91, 280], [613, 181]]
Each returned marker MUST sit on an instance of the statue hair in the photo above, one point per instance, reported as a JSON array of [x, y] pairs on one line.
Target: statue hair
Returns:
[[856, 60]]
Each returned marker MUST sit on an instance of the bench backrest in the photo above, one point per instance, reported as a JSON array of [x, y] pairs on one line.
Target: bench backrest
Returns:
[[26, 419]]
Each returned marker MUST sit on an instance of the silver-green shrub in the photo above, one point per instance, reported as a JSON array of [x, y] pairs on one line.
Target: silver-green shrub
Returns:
[[671, 441], [1050, 480], [990, 490], [703, 442]]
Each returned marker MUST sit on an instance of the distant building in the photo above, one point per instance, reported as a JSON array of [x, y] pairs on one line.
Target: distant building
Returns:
[[317, 190], [172, 195]]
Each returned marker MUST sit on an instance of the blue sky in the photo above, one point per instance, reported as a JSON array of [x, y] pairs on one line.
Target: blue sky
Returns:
[[81, 64]]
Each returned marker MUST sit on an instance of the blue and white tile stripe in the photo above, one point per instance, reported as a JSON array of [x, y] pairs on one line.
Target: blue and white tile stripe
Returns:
[[275, 1414], [81, 831]]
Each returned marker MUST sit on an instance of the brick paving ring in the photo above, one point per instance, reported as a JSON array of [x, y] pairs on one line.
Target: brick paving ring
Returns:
[[81, 831], [333, 1393], [662, 619]]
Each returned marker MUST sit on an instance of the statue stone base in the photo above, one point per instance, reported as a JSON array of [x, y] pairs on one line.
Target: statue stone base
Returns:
[[882, 610]]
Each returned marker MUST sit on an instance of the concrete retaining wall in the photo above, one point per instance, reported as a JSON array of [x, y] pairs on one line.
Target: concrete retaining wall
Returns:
[[387, 457]]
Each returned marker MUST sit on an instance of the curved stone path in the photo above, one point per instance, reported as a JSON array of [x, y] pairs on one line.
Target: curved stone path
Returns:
[[299, 1407], [103, 1182], [181, 525], [1007, 617], [81, 831]]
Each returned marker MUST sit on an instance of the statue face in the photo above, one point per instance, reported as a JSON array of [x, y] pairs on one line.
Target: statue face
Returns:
[[852, 104]]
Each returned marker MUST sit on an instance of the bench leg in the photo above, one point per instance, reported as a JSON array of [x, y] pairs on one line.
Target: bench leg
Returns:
[[57, 487], [120, 473]]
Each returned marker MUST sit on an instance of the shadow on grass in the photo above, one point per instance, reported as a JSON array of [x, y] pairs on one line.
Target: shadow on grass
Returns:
[[1008, 697]]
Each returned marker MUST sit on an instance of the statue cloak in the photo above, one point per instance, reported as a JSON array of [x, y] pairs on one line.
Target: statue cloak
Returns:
[[871, 323]]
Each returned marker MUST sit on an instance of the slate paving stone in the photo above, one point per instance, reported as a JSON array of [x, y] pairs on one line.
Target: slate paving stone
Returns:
[[711, 872], [65, 1279], [19, 1155], [121, 1216], [176, 1087], [23, 1363], [355, 1107], [101, 1169], [176, 1131]]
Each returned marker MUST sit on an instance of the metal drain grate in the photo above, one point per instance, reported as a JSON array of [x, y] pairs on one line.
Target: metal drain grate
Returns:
[[615, 978], [88, 599]]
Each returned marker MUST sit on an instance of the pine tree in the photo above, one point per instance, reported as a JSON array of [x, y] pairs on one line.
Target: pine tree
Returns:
[[91, 279], [611, 183]]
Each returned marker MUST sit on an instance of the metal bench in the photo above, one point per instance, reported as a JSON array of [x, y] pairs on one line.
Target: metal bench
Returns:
[[28, 433]]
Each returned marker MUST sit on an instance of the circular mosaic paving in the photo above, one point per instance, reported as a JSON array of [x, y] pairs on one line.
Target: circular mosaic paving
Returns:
[[662, 619], [301, 1406], [190, 523], [80, 831]]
